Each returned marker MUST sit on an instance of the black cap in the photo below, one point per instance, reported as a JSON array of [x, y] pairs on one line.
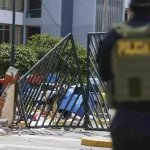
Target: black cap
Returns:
[[140, 3]]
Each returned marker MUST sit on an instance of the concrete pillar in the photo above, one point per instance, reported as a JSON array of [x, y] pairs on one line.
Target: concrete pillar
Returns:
[[25, 7], [123, 11], [24, 35]]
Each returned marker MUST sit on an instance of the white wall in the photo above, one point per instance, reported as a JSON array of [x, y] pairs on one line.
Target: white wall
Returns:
[[47, 24], [6, 17], [127, 3], [30, 21], [83, 19]]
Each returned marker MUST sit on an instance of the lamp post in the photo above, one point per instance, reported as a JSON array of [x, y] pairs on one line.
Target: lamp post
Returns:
[[13, 34]]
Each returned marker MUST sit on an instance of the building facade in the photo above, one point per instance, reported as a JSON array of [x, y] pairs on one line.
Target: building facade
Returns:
[[6, 21], [109, 12], [59, 17]]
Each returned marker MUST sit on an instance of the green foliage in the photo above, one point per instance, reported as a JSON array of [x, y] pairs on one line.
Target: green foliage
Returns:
[[37, 47], [5, 50], [82, 55], [41, 44], [24, 58]]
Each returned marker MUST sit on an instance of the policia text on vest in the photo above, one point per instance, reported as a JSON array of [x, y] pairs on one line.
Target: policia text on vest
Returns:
[[130, 62], [133, 47]]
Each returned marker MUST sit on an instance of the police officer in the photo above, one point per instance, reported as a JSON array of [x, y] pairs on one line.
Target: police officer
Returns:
[[124, 63]]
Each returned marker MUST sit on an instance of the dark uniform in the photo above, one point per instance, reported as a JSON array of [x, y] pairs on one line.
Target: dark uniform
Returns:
[[130, 128]]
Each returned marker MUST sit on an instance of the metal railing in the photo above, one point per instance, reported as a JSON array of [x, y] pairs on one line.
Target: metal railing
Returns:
[[11, 8], [34, 13], [95, 87], [50, 95]]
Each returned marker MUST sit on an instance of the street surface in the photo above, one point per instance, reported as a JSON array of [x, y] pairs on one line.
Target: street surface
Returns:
[[58, 140]]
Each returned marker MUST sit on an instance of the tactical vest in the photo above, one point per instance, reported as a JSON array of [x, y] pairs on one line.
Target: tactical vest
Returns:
[[130, 65]]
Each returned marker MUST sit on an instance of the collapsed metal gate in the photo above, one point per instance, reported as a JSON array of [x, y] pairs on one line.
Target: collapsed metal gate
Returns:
[[50, 94], [95, 86]]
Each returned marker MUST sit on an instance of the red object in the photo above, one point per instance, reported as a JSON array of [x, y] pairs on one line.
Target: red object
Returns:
[[2, 80], [35, 117], [11, 76], [44, 115], [34, 79]]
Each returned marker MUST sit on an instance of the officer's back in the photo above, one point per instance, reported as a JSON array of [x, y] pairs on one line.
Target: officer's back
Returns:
[[131, 126]]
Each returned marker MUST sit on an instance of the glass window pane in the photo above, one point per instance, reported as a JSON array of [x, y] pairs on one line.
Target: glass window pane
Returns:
[[1, 26], [8, 5], [19, 5], [1, 33], [6, 27], [6, 38], [1, 4]]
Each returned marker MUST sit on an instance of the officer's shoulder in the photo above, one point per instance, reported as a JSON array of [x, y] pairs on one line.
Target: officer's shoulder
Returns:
[[123, 29], [116, 29], [112, 34], [120, 27]]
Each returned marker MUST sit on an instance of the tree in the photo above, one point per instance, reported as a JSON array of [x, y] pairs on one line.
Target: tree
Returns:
[[37, 46], [41, 44], [82, 55], [24, 58]]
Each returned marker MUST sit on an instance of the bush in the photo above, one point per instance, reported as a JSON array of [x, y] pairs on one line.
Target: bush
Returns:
[[41, 44], [5, 58], [24, 58], [37, 47]]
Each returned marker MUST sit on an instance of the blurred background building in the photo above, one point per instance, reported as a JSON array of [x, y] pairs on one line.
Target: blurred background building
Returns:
[[59, 17]]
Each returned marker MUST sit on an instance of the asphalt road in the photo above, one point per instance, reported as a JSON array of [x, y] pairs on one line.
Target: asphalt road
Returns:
[[39, 142]]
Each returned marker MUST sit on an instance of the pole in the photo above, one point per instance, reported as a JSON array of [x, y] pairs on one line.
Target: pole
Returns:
[[123, 10], [13, 35], [105, 16]]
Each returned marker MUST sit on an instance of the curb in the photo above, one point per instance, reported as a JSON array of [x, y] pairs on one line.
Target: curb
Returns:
[[86, 141]]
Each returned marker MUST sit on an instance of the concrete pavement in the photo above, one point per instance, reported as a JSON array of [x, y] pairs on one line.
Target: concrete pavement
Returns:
[[56, 140], [29, 142]]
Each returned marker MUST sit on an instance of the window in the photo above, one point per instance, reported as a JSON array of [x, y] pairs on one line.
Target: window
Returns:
[[19, 5], [7, 5], [2, 6], [32, 31], [34, 9], [4, 33], [18, 34]]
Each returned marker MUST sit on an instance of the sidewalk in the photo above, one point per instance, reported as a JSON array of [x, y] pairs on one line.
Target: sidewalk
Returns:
[[87, 138], [50, 139]]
